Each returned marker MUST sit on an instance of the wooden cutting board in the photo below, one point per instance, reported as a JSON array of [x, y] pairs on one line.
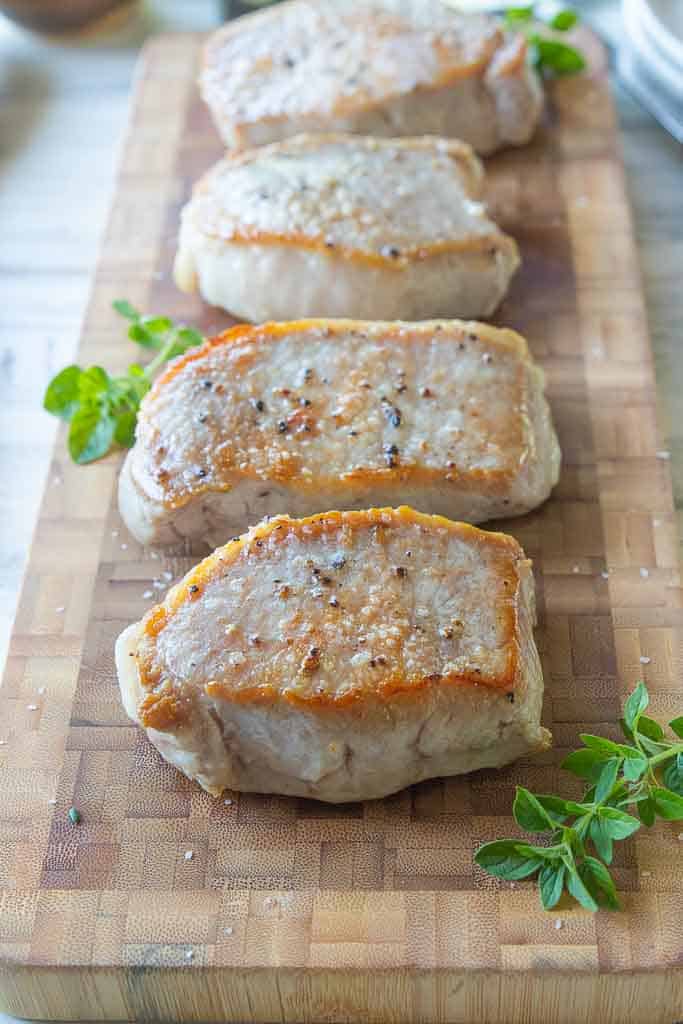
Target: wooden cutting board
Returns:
[[166, 904]]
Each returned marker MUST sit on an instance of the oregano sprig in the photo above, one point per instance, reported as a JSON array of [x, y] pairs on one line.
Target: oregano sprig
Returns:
[[627, 785], [102, 410], [549, 54]]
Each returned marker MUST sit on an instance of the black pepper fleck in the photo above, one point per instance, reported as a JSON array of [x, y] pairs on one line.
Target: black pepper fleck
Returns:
[[258, 404], [282, 427], [392, 412], [194, 589], [208, 384], [401, 571], [391, 455], [338, 562]]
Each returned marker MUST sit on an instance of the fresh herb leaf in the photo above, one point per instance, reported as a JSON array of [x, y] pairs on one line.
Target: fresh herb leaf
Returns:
[[648, 727], [62, 395], [515, 16], [556, 57], [91, 432], [619, 778], [602, 841], [599, 882], [668, 805], [551, 884], [599, 743], [635, 705], [124, 431], [677, 726], [549, 54], [558, 808], [579, 891], [617, 824], [673, 775], [124, 307], [564, 20], [508, 858], [102, 410], [634, 767], [606, 780], [585, 763], [647, 811], [530, 814]]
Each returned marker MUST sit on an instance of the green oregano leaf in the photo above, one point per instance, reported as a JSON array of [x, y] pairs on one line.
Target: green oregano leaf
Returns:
[[635, 705], [529, 813], [551, 884]]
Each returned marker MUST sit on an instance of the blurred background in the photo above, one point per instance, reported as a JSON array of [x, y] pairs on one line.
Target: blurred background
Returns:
[[64, 97]]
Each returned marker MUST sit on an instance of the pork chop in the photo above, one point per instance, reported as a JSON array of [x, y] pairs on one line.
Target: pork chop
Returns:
[[341, 657], [345, 226], [300, 417], [377, 67]]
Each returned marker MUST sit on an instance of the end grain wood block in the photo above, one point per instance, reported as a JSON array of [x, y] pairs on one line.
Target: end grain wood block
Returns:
[[376, 912]]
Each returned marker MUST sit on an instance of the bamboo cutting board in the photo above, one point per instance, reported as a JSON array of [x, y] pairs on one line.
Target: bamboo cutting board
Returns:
[[289, 910]]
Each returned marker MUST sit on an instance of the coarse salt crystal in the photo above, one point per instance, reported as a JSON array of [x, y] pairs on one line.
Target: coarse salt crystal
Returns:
[[41, 691], [52, 802], [228, 802], [2, 743], [558, 925], [189, 854], [644, 573], [114, 533], [189, 954], [31, 707], [228, 930], [147, 594], [166, 575], [663, 455], [644, 660], [124, 547], [60, 610], [154, 554], [605, 575]]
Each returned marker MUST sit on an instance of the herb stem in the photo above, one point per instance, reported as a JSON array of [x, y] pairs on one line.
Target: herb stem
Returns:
[[665, 755]]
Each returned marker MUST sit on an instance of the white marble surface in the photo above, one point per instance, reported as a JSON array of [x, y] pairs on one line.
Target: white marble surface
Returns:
[[63, 109]]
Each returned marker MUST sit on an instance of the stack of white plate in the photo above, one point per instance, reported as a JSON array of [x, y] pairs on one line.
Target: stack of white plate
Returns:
[[651, 58]]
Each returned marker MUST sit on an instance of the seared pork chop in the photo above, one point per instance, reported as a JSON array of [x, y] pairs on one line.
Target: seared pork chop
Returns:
[[345, 226], [341, 657], [300, 417], [378, 67]]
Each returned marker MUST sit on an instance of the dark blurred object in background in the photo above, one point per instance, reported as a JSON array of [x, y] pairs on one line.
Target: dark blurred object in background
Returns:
[[233, 8], [65, 15]]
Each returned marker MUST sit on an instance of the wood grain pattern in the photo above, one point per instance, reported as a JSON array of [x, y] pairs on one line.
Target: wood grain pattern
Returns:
[[289, 910]]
